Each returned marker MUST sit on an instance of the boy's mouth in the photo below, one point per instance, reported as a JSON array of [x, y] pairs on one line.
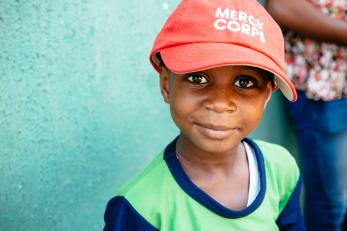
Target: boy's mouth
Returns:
[[214, 131]]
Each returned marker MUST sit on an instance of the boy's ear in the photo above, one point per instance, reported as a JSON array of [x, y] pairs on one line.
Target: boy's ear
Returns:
[[164, 84]]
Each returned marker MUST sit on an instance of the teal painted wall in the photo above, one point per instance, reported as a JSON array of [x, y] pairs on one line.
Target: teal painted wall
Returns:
[[80, 108], [262, 1]]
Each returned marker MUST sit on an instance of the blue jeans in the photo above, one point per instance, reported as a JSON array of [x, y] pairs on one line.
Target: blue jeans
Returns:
[[321, 129]]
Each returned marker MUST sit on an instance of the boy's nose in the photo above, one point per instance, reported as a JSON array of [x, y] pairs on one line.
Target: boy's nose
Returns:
[[220, 101]]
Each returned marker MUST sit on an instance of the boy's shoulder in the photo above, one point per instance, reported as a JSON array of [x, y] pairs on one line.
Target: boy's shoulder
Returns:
[[146, 192], [147, 178], [277, 156], [281, 172], [278, 161]]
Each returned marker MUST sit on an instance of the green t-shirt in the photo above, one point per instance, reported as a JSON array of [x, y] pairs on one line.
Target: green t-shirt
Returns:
[[163, 198]]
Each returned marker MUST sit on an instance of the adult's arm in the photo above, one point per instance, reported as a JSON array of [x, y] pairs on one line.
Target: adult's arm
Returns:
[[307, 20]]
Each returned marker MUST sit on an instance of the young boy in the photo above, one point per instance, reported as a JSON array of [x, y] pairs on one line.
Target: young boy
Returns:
[[219, 61]]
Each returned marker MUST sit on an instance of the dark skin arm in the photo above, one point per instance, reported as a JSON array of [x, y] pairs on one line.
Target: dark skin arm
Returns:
[[307, 20]]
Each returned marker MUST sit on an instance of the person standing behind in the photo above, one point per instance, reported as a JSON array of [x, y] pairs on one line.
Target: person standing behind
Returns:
[[316, 55]]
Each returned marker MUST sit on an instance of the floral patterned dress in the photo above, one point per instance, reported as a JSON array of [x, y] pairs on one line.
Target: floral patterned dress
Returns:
[[320, 69]]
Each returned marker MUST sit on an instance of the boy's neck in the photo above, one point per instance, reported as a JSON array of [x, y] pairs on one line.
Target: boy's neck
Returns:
[[195, 161]]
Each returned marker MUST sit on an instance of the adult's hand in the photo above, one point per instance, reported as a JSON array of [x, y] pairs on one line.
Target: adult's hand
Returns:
[[307, 20]]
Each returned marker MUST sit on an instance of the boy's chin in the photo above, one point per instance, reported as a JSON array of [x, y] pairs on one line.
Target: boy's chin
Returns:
[[217, 146]]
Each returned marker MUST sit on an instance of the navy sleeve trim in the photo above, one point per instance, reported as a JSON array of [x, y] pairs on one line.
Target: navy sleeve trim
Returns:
[[120, 215], [290, 218]]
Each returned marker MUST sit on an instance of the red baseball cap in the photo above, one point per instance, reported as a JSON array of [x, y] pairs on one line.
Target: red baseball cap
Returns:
[[202, 34]]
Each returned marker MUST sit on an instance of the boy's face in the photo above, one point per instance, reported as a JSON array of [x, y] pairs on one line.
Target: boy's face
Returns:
[[216, 108]]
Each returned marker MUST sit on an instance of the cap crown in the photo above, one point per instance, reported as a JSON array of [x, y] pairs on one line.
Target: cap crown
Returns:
[[241, 22]]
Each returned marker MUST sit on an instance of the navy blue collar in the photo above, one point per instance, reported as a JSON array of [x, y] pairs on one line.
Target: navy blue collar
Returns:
[[203, 198]]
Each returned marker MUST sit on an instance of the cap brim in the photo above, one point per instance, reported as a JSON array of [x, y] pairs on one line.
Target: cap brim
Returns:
[[200, 56]]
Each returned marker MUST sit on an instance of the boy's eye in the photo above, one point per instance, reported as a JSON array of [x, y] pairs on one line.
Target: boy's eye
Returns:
[[246, 82], [197, 78]]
